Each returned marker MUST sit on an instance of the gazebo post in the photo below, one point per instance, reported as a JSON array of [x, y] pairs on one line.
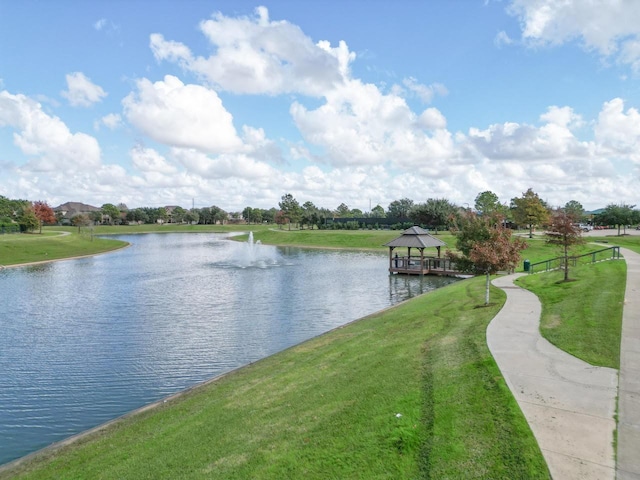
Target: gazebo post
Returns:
[[391, 257], [421, 261]]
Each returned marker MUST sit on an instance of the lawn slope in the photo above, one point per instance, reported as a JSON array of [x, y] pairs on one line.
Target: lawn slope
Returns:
[[411, 392], [17, 249]]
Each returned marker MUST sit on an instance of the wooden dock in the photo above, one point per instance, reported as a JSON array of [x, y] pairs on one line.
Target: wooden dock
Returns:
[[417, 265]]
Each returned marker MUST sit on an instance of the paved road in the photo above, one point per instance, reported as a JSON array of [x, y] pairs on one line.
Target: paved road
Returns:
[[629, 382]]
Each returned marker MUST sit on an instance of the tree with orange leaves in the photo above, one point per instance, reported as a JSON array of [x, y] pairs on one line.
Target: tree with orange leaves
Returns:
[[43, 212], [564, 233], [485, 246]]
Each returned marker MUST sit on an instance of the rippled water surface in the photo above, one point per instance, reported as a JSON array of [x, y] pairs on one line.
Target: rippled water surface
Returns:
[[86, 340]]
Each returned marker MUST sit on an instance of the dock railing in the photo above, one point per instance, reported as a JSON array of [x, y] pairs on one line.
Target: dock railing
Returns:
[[414, 264]]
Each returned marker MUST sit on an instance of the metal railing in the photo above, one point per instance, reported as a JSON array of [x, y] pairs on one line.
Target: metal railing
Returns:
[[415, 263], [609, 253], [9, 229]]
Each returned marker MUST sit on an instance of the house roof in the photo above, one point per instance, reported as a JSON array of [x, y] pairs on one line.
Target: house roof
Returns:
[[75, 207], [415, 237]]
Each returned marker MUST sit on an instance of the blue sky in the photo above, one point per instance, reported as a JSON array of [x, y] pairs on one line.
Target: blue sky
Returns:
[[234, 104]]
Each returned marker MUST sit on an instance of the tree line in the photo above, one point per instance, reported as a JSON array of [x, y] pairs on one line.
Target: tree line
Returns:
[[527, 211]]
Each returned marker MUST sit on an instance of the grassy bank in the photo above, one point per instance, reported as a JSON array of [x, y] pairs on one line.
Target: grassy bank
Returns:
[[156, 228], [583, 317], [356, 239], [411, 392], [627, 241], [25, 248]]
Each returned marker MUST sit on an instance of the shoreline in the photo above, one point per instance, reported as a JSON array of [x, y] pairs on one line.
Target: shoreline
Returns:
[[41, 262]]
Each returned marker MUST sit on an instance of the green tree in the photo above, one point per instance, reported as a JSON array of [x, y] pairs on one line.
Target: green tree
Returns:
[[343, 211], [435, 213], [564, 233], [178, 214], [378, 212], [290, 209], [162, 214], [618, 215], [28, 220], [269, 215], [309, 214], [488, 203], [485, 246], [12, 209], [111, 211], [96, 216], [192, 216], [529, 210], [400, 208], [80, 220], [248, 214], [575, 210], [138, 215]]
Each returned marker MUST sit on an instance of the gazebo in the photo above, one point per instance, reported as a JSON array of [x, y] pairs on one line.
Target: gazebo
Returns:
[[419, 238]]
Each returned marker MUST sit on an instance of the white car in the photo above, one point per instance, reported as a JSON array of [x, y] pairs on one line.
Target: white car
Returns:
[[585, 228]]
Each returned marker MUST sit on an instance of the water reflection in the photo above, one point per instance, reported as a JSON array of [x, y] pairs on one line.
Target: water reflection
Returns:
[[90, 339]]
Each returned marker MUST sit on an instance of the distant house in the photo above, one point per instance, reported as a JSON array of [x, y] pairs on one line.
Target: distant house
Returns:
[[169, 209], [70, 209]]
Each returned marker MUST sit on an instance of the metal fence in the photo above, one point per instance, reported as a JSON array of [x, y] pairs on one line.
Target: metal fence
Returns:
[[609, 253], [9, 229]]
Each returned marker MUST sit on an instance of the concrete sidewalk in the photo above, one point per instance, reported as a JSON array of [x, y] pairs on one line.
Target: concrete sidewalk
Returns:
[[628, 466], [568, 403]]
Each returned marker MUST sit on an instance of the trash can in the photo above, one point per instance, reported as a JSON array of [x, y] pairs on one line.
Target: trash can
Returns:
[[527, 265]]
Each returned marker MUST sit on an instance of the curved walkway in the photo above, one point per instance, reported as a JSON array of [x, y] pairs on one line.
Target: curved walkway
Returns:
[[569, 404]]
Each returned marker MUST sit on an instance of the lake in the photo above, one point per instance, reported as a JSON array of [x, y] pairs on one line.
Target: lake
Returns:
[[86, 340]]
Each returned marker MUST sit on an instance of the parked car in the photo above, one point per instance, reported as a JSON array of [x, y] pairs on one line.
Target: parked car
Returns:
[[585, 227]]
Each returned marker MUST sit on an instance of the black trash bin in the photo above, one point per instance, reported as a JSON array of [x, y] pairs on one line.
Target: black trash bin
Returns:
[[527, 265]]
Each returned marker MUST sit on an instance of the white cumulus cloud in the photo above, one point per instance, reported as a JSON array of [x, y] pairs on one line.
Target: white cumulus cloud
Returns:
[[81, 91], [175, 114], [617, 130], [46, 139], [609, 27], [359, 125], [259, 56]]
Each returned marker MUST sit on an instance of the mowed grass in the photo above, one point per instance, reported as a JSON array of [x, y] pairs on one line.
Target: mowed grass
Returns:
[[358, 239], [584, 316], [157, 228], [410, 392], [25, 248], [632, 242]]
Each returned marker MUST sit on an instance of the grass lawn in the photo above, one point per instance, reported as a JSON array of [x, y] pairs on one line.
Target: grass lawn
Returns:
[[584, 316], [328, 408], [33, 247], [632, 242], [357, 239], [157, 228]]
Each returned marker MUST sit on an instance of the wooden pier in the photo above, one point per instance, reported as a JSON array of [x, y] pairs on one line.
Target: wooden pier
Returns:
[[422, 265]]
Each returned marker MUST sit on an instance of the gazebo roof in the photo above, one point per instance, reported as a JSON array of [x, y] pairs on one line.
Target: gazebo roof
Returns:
[[415, 237]]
